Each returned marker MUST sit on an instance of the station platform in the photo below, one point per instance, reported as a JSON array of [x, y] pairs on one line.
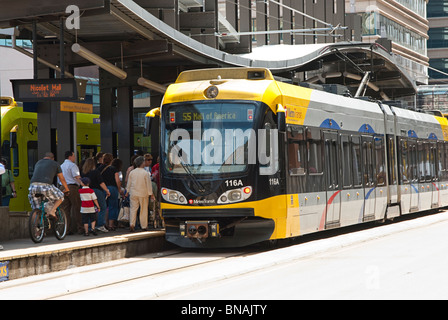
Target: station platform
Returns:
[[23, 257]]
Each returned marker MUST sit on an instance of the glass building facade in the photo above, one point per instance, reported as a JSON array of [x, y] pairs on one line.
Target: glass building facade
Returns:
[[375, 24], [437, 8], [433, 97], [404, 22], [438, 39]]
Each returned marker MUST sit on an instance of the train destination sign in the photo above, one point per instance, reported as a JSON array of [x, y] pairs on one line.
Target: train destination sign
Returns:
[[231, 113], [44, 89]]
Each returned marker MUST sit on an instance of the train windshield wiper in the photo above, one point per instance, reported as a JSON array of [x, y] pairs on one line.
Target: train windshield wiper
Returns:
[[186, 167]]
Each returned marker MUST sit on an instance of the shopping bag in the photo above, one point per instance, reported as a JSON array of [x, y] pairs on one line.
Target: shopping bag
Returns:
[[123, 215]]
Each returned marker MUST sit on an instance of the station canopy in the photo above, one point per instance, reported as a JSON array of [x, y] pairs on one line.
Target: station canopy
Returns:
[[127, 35]]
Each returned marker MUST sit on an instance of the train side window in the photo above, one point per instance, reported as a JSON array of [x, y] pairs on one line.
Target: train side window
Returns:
[[331, 159], [413, 161], [296, 151], [432, 160], [427, 172], [314, 156], [269, 165], [314, 146], [421, 156], [404, 163], [380, 161], [368, 162], [346, 161], [440, 158], [356, 161], [445, 157], [32, 157], [391, 161], [14, 151]]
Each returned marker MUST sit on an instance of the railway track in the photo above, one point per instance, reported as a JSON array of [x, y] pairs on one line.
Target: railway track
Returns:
[[133, 278]]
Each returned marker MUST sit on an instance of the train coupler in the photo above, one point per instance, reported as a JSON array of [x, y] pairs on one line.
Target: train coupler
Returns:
[[199, 229]]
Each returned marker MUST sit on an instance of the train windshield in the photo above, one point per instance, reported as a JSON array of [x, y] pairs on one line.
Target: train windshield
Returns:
[[209, 138]]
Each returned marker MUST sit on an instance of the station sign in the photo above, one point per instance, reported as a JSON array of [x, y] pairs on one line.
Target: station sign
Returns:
[[41, 90], [71, 106]]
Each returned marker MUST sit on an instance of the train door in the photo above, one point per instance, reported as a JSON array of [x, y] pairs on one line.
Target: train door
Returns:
[[413, 165], [333, 207], [442, 173], [368, 177], [424, 175], [392, 166], [405, 175], [380, 178], [295, 180], [434, 177]]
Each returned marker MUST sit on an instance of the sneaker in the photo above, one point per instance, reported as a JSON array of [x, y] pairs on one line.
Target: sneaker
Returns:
[[1, 247], [102, 229]]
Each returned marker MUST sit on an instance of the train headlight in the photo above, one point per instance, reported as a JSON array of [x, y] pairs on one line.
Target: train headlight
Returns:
[[173, 196], [235, 195], [211, 92]]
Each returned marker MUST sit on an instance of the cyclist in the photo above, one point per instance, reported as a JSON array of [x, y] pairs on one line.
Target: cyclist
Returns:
[[44, 173]]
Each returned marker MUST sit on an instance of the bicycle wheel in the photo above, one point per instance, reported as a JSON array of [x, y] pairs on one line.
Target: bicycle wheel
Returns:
[[36, 226], [60, 225]]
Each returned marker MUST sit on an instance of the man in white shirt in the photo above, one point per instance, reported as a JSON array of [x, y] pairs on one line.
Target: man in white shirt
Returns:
[[72, 202]]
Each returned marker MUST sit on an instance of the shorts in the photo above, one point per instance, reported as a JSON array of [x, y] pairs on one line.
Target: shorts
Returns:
[[88, 217], [50, 192]]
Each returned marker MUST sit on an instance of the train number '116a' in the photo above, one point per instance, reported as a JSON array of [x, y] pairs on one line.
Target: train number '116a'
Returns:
[[234, 183]]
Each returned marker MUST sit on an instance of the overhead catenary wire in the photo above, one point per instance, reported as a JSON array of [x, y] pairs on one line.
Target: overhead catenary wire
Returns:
[[329, 27], [299, 12]]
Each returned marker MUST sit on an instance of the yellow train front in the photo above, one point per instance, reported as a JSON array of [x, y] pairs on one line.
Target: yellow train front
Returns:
[[221, 182]]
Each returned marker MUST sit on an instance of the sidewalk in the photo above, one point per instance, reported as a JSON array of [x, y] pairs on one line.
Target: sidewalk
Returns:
[[25, 258]]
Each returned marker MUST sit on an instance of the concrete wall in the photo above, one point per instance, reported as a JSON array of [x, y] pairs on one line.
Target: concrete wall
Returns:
[[13, 225]]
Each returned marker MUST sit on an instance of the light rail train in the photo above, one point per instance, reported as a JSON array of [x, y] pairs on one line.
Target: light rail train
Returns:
[[246, 158], [19, 145]]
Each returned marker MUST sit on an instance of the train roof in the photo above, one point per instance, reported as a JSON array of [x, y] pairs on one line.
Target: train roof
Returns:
[[305, 106], [225, 73]]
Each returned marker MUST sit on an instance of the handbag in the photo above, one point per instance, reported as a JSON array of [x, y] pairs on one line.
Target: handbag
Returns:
[[123, 215]]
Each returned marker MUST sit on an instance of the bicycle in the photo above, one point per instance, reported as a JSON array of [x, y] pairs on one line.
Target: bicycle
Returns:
[[39, 222]]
